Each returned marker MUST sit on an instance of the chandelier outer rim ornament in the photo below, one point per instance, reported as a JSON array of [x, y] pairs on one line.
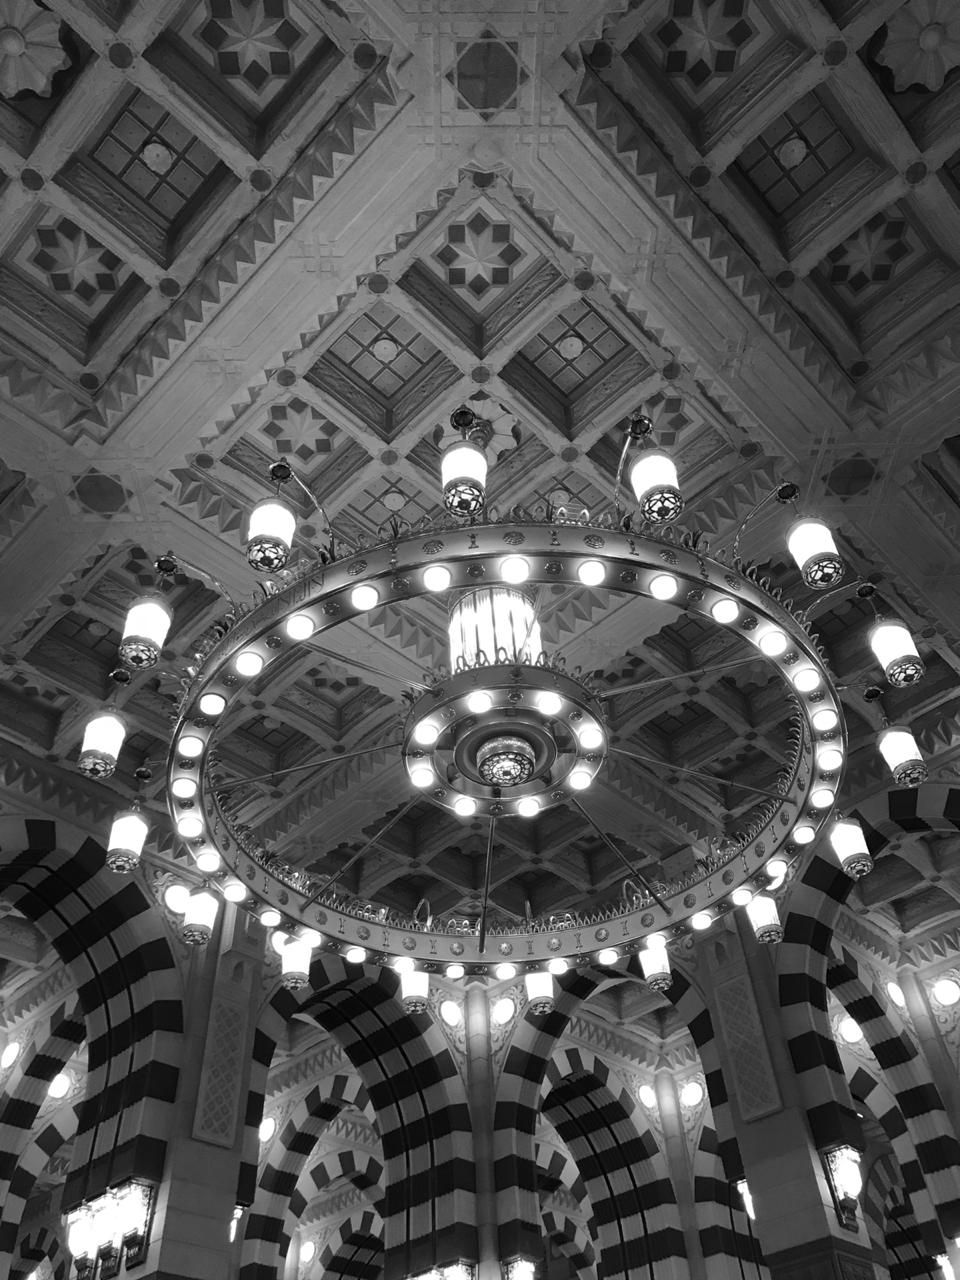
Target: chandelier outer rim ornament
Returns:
[[554, 552]]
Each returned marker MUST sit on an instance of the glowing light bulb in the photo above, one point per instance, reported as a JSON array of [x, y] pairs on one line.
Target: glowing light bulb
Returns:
[[591, 737], [479, 702], [437, 577], [212, 704], [825, 719], [725, 611], [701, 920], [803, 834], [829, 759], [421, 775], [364, 597], [806, 680], [190, 746], [426, 733], [773, 643], [355, 955], [528, 807], [455, 971], [189, 826], [514, 569], [184, 788], [591, 573], [505, 971], [299, 626], [248, 663], [465, 806], [580, 779], [608, 956], [664, 586], [549, 703]]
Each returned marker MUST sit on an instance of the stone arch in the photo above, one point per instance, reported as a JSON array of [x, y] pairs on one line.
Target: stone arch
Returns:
[[31, 1162], [417, 1095], [34, 1248], [936, 1151], [289, 1151], [112, 940], [364, 1171], [638, 1224], [355, 1250], [572, 1240]]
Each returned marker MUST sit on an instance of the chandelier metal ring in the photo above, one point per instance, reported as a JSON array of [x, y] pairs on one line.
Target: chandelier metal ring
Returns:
[[665, 568]]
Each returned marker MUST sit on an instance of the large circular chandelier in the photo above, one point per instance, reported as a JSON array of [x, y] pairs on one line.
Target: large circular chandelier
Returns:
[[505, 733]]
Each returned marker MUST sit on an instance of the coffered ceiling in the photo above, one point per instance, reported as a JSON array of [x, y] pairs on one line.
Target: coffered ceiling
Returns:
[[250, 229]]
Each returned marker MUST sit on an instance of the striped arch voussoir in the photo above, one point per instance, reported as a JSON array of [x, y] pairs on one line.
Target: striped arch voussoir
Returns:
[[33, 1248], [572, 1241], [355, 1250]]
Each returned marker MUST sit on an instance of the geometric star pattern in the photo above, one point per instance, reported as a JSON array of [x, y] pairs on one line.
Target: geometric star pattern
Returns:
[[479, 254], [251, 39], [704, 38], [75, 263], [872, 255]]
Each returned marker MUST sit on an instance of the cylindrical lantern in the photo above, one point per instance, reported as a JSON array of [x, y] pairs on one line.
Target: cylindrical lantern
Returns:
[[655, 963], [270, 535], [463, 471], [762, 911], [127, 836], [899, 749], [894, 649], [490, 625], [850, 846], [199, 917], [145, 630], [102, 740], [653, 478], [811, 544], [295, 963], [414, 990], [539, 987]]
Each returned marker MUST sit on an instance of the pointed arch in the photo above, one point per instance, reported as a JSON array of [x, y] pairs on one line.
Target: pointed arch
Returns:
[[417, 1095], [355, 1250], [113, 941], [34, 1248], [572, 1240]]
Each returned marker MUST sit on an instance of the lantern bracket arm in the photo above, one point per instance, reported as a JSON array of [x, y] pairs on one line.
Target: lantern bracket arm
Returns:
[[639, 431], [169, 564], [783, 491], [861, 587]]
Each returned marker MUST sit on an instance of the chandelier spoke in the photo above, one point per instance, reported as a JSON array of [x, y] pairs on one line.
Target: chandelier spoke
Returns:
[[487, 871], [623, 858], [391, 822], [697, 773], [313, 764], [656, 681], [349, 661]]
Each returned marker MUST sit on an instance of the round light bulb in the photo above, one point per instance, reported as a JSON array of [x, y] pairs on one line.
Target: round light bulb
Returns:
[[691, 1094], [212, 704], [825, 719], [190, 746], [190, 826], [664, 586], [11, 1052], [437, 577], [184, 788], [701, 920], [421, 775], [850, 1030], [505, 971], [268, 1127], [591, 737], [59, 1086], [822, 797], [404, 964], [299, 627], [776, 868], [648, 1096], [308, 1251], [270, 917], [656, 941], [725, 611], [803, 834], [248, 663], [806, 680], [591, 573], [557, 966], [773, 643], [502, 1011], [426, 733], [176, 897], [514, 569], [479, 702], [454, 971], [364, 597], [829, 759], [580, 779], [740, 897], [234, 890], [355, 955], [528, 807], [278, 940], [451, 1013], [465, 806], [549, 703], [946, 991], [208, 861], [608, 956], [895, 992]]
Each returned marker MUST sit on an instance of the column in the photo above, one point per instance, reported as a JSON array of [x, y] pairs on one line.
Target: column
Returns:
[[796, 1218], [680, 1168], [190, 1236]]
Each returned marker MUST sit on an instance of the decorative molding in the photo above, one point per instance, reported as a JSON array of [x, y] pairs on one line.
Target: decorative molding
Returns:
[[752, 1071], [215, 1118]]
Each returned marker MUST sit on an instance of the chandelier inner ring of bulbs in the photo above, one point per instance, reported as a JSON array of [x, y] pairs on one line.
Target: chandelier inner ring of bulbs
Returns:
[[658, 568]]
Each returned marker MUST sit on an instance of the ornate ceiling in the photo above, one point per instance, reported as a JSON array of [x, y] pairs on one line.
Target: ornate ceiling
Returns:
[[251, 229]]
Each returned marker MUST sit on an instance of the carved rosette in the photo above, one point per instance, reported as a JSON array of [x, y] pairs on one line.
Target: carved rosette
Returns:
[[30, 48], [922, 44]]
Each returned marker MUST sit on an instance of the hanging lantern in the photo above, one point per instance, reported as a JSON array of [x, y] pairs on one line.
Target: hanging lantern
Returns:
[[894, 649], [656, 487], [127, 836], [850, 846], [655, 963], [295, 963], [270, 535], [899, 749], [490, 625], [463, 472], [540, 997], [811, 544], [414, 990], [762, 911], [102, 741], [199, 917], [846, 1179], [145, 630]]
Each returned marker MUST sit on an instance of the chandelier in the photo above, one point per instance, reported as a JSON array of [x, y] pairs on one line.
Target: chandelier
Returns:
[[505, 732]]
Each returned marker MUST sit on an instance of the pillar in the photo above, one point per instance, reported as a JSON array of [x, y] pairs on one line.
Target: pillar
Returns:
[[796, 1219], [190, 1235], [480, 1094]]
